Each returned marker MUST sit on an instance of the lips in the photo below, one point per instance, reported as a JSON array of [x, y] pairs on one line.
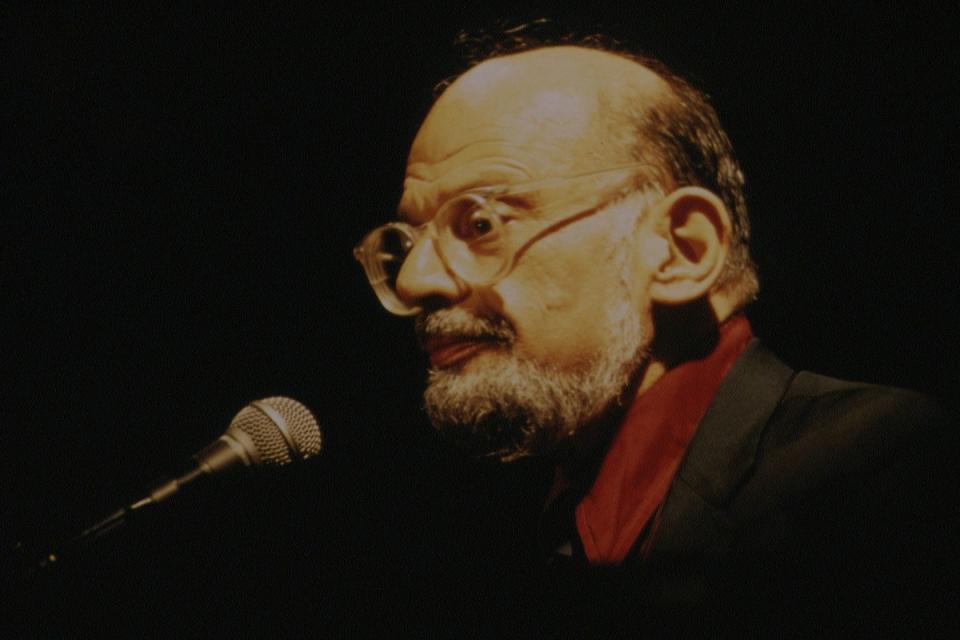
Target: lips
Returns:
[[445, 352]]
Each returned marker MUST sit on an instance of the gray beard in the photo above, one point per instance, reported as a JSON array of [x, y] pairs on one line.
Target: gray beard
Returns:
[[510, 406]]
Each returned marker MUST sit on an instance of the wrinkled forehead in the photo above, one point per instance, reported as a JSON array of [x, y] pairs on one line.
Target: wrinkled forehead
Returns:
[[527, 116]]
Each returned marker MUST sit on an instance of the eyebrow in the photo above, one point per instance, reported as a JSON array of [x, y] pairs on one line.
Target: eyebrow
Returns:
[[524, 201], [489, 178]]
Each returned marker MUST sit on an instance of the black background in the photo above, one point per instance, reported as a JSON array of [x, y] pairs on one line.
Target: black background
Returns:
[[180, 193]]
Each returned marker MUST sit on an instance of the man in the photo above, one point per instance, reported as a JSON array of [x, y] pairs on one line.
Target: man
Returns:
[[573, 243]]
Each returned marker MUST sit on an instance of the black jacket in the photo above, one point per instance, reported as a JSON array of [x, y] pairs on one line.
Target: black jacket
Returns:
[[805, 506]]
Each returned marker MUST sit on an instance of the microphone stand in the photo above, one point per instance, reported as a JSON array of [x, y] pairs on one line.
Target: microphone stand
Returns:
[[217, 457]]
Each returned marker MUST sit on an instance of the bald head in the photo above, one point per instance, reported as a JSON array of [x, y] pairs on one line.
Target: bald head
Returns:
[[561, 110], [555, 98]]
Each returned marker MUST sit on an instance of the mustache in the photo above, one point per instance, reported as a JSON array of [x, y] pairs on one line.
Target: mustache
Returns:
[[458, 323]]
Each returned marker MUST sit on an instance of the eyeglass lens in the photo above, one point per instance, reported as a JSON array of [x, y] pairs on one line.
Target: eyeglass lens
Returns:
[[469, 240]]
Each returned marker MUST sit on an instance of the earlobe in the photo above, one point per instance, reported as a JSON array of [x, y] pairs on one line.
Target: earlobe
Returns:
[[695, 224]]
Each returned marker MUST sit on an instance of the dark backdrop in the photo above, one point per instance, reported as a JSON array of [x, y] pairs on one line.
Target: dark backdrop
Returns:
[[180, 193]]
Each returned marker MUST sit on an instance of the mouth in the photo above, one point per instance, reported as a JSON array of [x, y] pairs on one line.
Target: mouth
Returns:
[[448, 351]]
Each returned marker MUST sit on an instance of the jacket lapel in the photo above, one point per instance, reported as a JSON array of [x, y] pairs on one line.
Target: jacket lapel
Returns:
[[693, 520]]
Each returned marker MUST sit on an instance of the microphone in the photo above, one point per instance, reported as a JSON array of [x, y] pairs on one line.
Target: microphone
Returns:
[[274, 431]]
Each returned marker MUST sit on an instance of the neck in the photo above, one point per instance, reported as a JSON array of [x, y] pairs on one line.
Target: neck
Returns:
[[681, 333]]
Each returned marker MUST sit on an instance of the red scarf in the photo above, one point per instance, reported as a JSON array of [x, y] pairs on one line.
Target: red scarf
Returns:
[[647, 448]]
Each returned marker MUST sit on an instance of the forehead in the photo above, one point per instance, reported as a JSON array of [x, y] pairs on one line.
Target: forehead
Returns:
[[489, 113], [515, 118]]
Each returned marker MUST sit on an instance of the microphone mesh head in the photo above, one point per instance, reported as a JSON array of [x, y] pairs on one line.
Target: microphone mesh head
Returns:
[[305, 439]]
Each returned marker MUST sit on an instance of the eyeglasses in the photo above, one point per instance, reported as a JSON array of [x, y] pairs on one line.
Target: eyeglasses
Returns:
[[480, 234]]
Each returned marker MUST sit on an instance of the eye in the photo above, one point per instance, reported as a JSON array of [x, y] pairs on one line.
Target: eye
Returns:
[[473, 221], [475, 224]]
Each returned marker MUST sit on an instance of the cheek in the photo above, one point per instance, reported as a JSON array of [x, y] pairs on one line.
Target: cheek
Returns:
[[557, 306]]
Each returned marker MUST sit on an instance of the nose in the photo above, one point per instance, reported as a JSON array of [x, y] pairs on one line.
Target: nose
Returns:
[[425, 281]]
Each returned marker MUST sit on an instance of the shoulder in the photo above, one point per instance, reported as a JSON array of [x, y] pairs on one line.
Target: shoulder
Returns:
[[825, 428], [813, 399], [807, 503], [773, 434], [853, 504], [826, 433], [819, 413]]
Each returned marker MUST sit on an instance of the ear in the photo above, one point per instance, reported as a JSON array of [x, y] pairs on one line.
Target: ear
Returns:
[[695, 224]]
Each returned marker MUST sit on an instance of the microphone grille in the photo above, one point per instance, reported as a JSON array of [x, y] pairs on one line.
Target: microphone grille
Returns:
[[281, 430]]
